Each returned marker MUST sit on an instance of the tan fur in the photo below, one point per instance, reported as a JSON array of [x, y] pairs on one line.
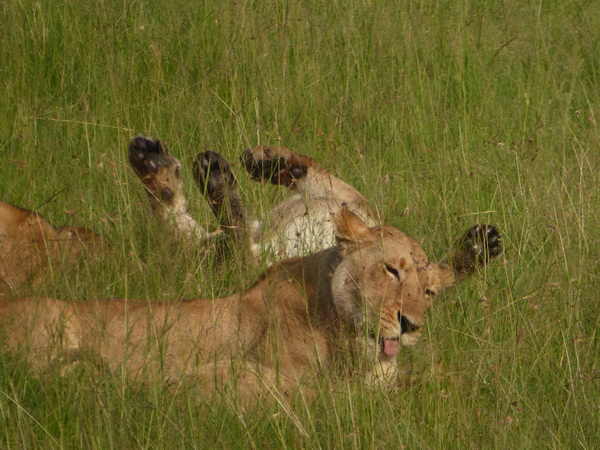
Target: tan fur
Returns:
[[326, 310], [298, 226], [160, 173], [302, 224], [30, 246]]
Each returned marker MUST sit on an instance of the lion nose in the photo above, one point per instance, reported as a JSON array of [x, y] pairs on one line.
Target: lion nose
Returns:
[[407, 325]]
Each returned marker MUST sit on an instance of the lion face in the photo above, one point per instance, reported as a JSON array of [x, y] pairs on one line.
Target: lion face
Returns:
[[384, 283]]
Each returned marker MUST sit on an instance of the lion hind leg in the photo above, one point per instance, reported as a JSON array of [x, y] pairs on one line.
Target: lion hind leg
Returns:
[[216, 181]]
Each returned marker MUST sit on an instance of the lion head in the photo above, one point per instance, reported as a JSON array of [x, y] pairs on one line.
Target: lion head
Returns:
[[384, 283]]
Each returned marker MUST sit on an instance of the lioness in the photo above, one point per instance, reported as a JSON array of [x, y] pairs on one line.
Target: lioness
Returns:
[[363, 298], [298, 226], [30, 245]]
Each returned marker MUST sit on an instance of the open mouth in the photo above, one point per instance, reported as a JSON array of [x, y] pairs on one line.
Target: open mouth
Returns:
[[407, 326]]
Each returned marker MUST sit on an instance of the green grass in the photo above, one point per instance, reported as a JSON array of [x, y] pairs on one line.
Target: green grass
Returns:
[[443, 113]]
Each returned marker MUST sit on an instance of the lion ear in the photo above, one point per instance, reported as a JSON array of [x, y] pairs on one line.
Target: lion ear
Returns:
[[351, 230]]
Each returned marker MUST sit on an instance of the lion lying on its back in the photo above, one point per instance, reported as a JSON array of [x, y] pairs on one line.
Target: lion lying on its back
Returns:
[[31, 247], [361, 299]]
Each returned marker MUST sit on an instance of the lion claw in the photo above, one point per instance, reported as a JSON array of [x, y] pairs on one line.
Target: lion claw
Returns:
[[262, 164], [277, 165], [482, 243], [477, 247]]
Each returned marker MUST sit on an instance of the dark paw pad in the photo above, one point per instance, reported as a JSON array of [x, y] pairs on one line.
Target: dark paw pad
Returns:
[[263, 164], [277, 165], [479, 245], [147, 155], [212, 173]]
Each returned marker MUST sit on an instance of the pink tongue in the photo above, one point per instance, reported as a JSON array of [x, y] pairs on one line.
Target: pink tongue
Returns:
[[390, 347]]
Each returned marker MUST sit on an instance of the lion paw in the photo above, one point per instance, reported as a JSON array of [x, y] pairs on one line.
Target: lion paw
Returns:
[[277, 165], [477, 247], [213, 174], [156, 167], [148, 155]]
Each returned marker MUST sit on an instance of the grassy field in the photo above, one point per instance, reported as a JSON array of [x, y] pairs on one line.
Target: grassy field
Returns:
[[443, 113]]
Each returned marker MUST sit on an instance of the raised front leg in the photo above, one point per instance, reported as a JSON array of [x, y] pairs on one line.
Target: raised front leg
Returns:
[[160, 173], [477, 247], [277, 165], [218, 184]]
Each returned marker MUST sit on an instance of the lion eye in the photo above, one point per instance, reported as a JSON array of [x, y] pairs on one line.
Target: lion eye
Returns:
[[393, 272]]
